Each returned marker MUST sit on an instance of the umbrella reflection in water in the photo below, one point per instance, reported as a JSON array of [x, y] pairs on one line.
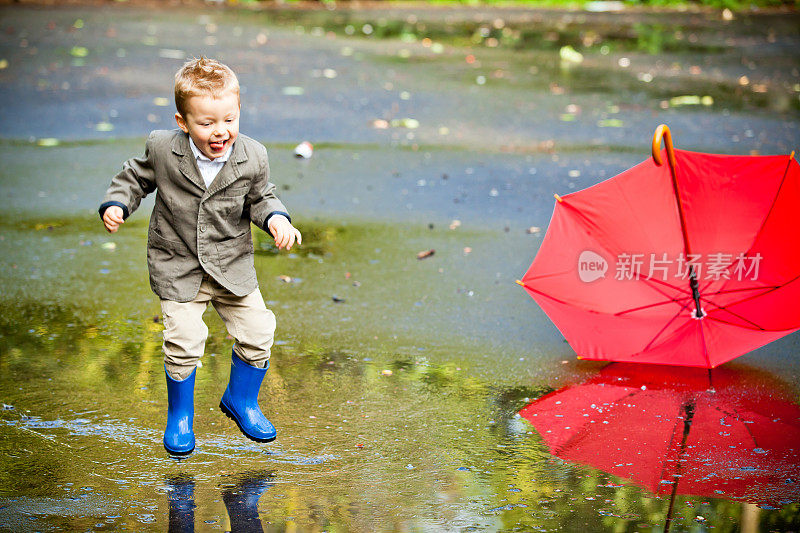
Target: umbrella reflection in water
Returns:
[[731, 433]]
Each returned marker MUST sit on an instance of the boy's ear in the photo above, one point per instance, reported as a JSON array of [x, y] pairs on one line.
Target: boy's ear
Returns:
[[181, 122]]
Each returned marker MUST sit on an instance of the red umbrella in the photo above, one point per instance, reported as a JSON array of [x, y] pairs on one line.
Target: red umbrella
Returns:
[[668, 430], [691, 263]]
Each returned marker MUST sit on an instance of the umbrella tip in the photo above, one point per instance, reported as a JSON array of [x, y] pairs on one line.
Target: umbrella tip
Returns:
[[557, 197], [520, 283]]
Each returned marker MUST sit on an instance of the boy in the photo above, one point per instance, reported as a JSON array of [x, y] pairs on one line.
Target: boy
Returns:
[[210, 184]]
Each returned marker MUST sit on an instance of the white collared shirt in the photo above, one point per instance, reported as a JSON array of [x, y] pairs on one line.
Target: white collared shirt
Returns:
[[209, 168]]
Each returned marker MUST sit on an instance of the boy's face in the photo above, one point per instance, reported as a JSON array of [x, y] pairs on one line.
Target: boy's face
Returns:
[[212, 123]]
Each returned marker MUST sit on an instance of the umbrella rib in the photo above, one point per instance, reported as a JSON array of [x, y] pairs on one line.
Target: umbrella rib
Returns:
[[745, 289], [705, 345], [656, 304], [772, 206], [766, 290], [650, 282], [755, 327], [665, 302], [588, 222], [719, 307], [732, 412], [650, 306], [769, 212], [542, 293], [667, 325]]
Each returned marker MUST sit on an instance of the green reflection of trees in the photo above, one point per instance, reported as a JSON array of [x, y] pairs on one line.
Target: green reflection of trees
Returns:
[[473, 461], [501, 466]]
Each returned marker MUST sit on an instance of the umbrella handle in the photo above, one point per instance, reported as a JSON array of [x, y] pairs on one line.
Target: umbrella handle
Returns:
[[662, 131]]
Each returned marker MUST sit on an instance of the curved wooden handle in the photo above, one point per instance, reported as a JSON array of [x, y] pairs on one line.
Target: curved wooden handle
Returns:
[[662, 131]]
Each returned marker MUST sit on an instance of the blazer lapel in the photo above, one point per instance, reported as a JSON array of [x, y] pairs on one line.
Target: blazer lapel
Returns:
[[229, 171], [187, 165]]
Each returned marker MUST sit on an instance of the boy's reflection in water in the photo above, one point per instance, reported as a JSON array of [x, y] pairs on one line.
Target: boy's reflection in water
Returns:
[[241, 501], [181, 504]]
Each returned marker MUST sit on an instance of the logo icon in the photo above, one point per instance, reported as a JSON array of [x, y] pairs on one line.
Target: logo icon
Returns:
[[591, 266]]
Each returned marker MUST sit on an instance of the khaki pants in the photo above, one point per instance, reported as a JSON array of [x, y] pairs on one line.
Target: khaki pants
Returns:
[[248, 320]]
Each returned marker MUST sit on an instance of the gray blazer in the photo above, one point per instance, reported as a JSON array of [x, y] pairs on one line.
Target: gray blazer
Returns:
[[194, 230]]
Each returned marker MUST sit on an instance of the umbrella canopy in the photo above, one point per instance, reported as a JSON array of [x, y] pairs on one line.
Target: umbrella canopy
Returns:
[[738, 439], [689, 263]]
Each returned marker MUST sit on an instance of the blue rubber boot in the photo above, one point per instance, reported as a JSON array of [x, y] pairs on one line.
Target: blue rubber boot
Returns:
[[179, 435], [240, 401]]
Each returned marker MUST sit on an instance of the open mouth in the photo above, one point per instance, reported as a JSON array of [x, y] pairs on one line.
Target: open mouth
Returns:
[[218, 146]]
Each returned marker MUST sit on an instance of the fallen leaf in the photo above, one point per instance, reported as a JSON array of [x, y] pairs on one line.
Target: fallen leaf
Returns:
[[48, 226], [79, 51], [171, 53], [410, 123], [569, 55], [610, 123], [691, 100], [426, 253]]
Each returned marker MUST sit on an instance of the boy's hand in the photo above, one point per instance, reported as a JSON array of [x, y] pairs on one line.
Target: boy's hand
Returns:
[[112, 218], [285, 234]]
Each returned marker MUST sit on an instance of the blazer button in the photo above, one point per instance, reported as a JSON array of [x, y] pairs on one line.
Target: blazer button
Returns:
[[202, 229], [203, 258]]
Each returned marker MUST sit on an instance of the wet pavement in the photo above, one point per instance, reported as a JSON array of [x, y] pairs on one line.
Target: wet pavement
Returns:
[[396, 383]]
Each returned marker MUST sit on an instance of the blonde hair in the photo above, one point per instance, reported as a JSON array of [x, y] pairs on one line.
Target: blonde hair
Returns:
[[200, 76]]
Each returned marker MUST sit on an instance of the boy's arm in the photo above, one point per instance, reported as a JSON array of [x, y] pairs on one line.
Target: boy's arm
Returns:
[[264, 204], [136, 181]]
